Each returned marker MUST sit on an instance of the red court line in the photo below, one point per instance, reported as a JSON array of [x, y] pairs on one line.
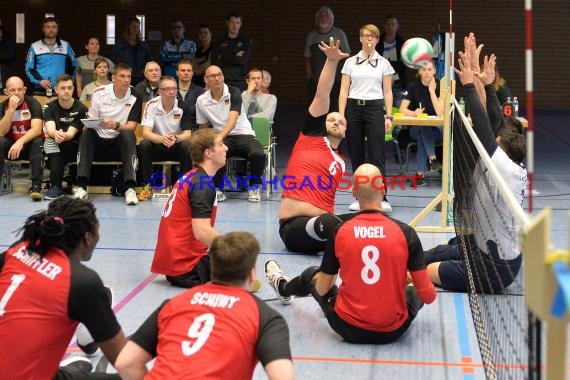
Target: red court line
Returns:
[[405, 362], [133, 293]]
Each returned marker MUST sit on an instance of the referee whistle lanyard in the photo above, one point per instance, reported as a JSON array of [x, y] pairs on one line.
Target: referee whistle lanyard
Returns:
[[371, 62]]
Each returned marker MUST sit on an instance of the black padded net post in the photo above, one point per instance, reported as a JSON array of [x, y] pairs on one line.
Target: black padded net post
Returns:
[[494, 290]]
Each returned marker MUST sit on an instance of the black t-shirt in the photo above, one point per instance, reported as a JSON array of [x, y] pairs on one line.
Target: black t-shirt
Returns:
[[65, 118]]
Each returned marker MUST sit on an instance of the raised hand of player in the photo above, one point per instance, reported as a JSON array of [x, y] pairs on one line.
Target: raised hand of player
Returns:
[[487, 76], [464, 73], [332, 50], [475, 53]]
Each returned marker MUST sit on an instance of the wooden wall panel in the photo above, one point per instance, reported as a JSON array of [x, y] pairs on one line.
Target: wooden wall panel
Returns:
[[278, 30]]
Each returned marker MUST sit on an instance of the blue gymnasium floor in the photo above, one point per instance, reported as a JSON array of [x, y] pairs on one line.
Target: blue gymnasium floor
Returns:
[[441, 343]]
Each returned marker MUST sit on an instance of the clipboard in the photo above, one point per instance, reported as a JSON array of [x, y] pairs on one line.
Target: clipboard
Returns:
[[92, 123]]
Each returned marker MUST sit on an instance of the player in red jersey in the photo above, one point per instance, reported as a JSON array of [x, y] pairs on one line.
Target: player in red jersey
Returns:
[[374, 253], [45, 292], [306, 215], [216, 330], [187, 225]]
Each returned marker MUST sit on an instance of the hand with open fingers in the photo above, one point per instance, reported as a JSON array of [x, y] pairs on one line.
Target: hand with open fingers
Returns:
[[332, 50], [487, 76], [464, 73], [475, 52]]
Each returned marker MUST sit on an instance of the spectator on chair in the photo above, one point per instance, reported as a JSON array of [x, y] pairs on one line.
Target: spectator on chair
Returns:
[[188, 92], [246, 330], [48, 58], [186, 228], [86, 65], [101, 74], [314, 57], [423, 97], [233, 51], [221, 106], [265, 81], [21, 135], [202, 59], [166, 126], [255, 102], [114, 139], [175, 49], [63, 126], [148, 88], [132, 50], [365, 91], [54, 293]]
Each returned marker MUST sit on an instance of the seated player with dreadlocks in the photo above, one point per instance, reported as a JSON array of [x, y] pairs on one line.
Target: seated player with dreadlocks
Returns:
[[496, 261], [45, 292]]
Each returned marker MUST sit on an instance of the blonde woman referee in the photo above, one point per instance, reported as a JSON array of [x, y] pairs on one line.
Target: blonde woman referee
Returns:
[[365, 89]]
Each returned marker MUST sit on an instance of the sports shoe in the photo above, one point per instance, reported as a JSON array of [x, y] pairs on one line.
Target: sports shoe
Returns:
[[253, 195], [354, 206], [53, 192], [84, 339], [255, 286], [435, 166], [145, 194], [131, 197], [220, 195], [274, 274], [77, 364], [386, 207], [79, 192], [36, 193]]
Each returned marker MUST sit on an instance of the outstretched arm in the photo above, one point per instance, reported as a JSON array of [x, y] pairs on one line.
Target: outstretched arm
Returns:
[[479, 118], [494, 110], [321, 102]]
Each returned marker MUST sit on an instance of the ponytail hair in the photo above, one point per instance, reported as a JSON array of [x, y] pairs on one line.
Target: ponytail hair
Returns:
[[63, 225]]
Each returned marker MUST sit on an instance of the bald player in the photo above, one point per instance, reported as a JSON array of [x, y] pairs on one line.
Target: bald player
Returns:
[[373, 305], [306, 215]]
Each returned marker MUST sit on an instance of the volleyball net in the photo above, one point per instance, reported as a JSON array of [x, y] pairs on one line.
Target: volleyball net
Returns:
[[488, 217]]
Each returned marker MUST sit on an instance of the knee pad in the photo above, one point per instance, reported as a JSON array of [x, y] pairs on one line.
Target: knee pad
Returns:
[[320, 227]]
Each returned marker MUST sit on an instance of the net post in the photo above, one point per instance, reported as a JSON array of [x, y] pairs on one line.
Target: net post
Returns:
[[540, 288]]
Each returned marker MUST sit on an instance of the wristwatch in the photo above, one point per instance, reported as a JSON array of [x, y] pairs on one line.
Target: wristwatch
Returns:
[[117, 125], [386, 117]]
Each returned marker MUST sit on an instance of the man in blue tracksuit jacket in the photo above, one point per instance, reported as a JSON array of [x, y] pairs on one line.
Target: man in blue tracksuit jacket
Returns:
[[48, 58]]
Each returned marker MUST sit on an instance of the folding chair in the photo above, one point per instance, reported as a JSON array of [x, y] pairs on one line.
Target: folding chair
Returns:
[[263, 132]]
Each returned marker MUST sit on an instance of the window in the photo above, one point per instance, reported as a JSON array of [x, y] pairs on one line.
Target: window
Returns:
[[49, 15], [143, 27], [20, 28], [110, 29]]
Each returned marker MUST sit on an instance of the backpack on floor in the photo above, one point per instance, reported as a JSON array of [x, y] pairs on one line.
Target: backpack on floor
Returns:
[[118, 183]]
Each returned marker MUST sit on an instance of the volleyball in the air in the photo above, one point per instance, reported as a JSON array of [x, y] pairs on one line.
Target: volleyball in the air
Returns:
[[416, 53]]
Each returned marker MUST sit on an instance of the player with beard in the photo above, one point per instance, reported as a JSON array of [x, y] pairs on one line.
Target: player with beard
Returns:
[[306, 214]]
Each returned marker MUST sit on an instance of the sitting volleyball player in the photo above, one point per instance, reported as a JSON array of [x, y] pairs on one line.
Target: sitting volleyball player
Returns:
[[306, 215], [374, 254], [215, 330], [501, 259]]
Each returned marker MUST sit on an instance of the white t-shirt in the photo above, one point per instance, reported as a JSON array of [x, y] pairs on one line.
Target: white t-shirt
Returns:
[[217, 112], [366, 75], [491, 211], [160, 121], [104, 104]]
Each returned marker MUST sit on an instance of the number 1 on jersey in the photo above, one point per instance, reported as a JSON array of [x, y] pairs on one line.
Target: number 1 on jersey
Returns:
[[16, 279]]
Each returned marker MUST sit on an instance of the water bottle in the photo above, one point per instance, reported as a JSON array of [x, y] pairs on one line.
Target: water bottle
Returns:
[[508, 107], [516, 106], [462, 104]]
